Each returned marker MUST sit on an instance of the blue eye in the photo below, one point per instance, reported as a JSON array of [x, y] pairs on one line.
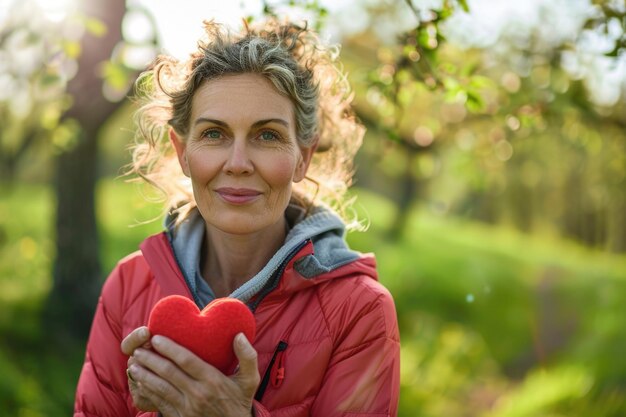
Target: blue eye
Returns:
[[268, 135], [212, 134]]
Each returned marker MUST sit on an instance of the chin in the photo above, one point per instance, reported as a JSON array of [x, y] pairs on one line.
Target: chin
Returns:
[[243, 224]]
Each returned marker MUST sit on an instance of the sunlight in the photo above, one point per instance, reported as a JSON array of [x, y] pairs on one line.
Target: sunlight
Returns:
[[56, 10], [180, 22]]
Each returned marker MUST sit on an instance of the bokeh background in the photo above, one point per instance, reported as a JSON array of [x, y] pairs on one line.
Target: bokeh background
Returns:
[[492, 179]]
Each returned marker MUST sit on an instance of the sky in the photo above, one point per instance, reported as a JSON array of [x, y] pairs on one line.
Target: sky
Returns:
[[180, 21]]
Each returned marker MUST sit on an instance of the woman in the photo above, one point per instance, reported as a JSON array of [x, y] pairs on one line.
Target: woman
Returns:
[[258, 136]]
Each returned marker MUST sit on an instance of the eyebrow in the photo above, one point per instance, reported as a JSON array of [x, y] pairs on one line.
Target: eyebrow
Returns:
[[254, 125]]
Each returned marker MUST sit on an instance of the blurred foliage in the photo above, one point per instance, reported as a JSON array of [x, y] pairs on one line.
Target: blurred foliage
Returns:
[[519, 132], [493, 175], [38, 57], [34, 58], [499, 323]]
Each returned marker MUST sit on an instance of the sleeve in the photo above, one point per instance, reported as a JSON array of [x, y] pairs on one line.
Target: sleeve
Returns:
[[363, 376], [259, 411], [102, 388]]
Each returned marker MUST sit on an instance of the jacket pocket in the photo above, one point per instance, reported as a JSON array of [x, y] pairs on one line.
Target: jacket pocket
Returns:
[[275, 372]]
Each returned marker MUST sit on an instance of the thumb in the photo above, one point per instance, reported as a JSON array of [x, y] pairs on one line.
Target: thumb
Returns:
[[248, 373]]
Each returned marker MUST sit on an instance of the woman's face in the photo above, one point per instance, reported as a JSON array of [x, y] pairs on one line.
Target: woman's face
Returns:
[[241, 153]]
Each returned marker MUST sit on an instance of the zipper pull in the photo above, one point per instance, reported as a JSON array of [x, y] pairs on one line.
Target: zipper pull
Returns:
[[278, 375], [278, 370]]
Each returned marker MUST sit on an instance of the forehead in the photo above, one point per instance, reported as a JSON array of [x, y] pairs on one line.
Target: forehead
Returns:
[[241, 97]]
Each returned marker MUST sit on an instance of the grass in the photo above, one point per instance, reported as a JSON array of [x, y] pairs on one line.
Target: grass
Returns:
[[494, 323], [503, 306], [125, 218]]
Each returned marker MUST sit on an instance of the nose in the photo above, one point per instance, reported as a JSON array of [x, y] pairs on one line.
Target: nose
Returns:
[[238, 162]]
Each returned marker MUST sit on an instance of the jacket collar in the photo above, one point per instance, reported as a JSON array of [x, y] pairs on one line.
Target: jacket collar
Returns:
[[314, 251], [158, 253]]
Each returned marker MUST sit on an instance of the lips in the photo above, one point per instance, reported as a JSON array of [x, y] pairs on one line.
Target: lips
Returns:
[[238, 196]]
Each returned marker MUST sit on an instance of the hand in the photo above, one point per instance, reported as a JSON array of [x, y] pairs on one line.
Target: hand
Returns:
[[181, 384], [138, 338]]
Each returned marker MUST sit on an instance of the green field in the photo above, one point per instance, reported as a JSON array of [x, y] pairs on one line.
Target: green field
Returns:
[[494, 323]]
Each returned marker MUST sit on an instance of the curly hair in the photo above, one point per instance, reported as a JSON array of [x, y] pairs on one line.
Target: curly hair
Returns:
[[299, 66]]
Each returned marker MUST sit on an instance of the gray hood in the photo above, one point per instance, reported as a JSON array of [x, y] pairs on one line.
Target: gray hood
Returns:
[[322, 226]]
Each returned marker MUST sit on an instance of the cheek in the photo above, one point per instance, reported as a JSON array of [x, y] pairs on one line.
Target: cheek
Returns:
[[201, 167], [281, 173]]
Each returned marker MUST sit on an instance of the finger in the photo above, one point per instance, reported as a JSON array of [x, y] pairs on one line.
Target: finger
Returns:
[[130, 362], [129, 374], [163, 367], [248, 374], [131, 358], [137, 390], [186, 360], [154, 388], [164, 408], [136, 338]]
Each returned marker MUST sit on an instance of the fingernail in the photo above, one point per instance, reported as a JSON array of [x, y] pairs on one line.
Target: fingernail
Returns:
[[143, 332], [240, 339], [157, 340]]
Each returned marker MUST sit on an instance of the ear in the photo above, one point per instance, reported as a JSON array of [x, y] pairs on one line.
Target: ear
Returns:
[[181, 151], [306, 154]]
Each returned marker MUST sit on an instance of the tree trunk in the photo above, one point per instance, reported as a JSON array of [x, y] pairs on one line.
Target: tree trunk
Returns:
[[77, 270], [409, 186], [616, 226]]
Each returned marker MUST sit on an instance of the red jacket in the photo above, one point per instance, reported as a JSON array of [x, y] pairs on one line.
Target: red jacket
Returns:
[[339, 354]]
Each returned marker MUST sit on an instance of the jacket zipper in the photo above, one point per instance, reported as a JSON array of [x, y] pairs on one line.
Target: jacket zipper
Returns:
[[278, 352], [276, 274]]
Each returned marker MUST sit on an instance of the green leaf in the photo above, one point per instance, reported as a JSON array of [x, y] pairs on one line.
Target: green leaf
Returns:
[[50, 117], [115, 74], [393, 135], [444, 14], [479, 81], [614, 53], [49, 78], [448, 68], [71, 49], [95, 26], [469, 68], [475, 102], [464, 5], [451, 83], [65, 136]]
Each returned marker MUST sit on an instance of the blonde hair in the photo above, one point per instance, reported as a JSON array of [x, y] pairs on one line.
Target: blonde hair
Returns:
[[299, 67]]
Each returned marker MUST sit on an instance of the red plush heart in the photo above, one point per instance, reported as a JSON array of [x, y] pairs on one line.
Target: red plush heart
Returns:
[[208, 333]]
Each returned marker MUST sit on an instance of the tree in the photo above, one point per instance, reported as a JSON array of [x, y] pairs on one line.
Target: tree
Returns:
[[77, 271], [62, 81], [504, 133], [32, 86]]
